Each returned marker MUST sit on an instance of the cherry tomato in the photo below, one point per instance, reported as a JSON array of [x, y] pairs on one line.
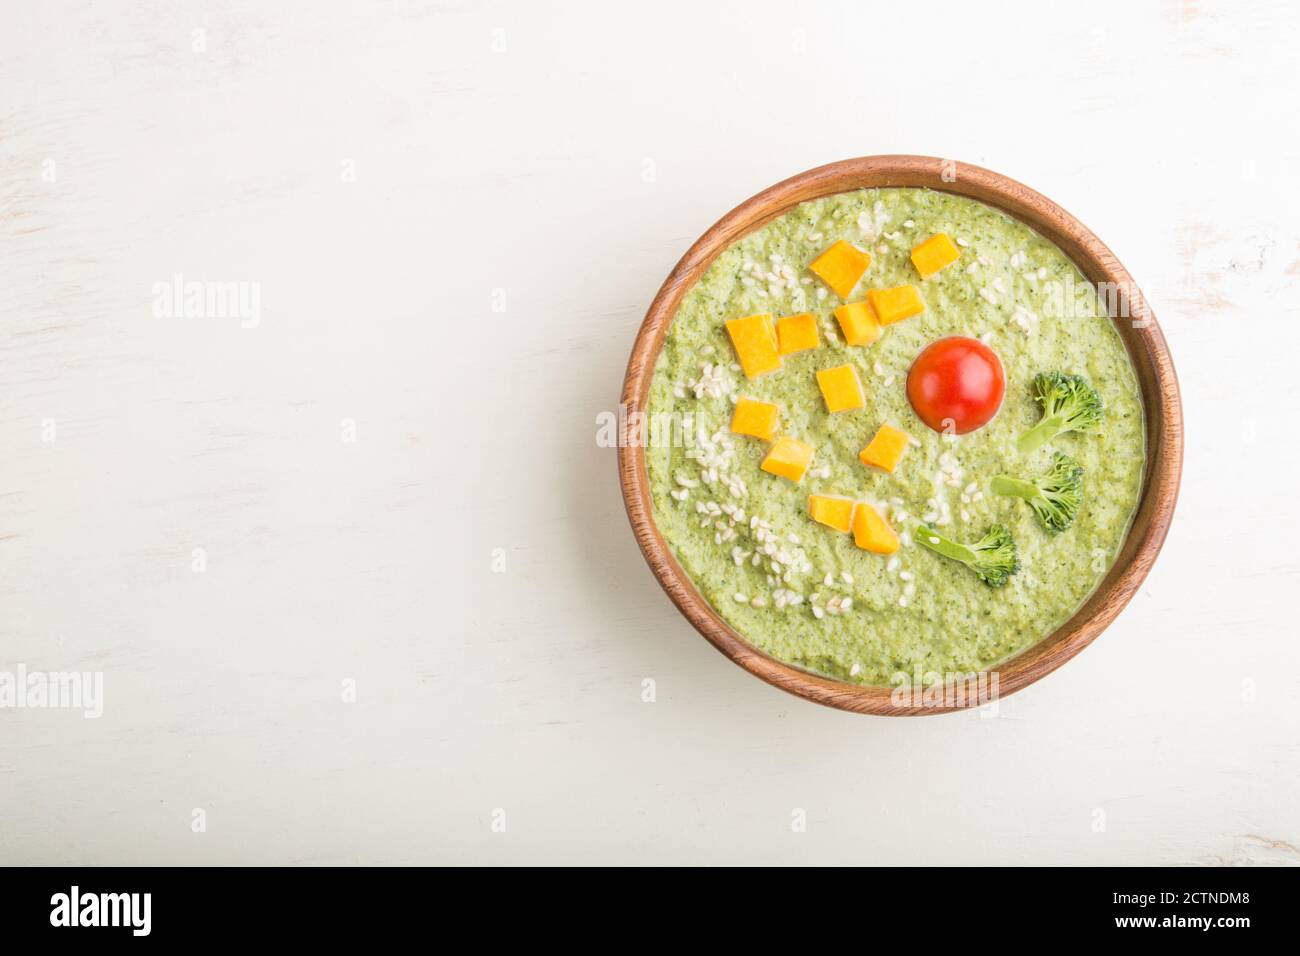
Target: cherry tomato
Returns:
[[956, 384]]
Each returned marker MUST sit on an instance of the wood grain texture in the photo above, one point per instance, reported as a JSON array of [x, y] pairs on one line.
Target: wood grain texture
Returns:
[[1135, 322]]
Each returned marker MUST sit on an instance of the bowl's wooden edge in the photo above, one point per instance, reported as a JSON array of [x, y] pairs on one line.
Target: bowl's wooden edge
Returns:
[[1141, 335]]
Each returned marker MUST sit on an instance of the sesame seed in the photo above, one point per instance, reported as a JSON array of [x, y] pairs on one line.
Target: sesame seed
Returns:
[[741, 598]]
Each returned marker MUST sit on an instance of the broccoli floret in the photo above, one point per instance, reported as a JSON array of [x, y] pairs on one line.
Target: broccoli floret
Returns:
[[993, 557], [1055, 496], [1069, 404]]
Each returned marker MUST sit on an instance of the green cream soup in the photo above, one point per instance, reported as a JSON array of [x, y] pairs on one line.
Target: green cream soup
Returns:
[[805, 593]]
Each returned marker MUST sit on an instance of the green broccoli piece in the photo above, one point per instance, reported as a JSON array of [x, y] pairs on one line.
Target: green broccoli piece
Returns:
[[993, 557], [1055, 496], [1069, 404]]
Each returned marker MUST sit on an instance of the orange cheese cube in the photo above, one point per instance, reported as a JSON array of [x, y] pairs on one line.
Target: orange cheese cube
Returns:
[[755, 418], [936, 253], [871, 532], [841, 266], [885, 449], [858, 323], [796, 333], [832, 511], [789, 458], [755, 343], [894, 305], [841, 388]]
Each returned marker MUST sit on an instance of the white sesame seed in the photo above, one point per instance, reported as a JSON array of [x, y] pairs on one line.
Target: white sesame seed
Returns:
[[741, 598]]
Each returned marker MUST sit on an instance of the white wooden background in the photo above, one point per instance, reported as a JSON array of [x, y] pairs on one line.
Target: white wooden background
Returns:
[[456, 214]]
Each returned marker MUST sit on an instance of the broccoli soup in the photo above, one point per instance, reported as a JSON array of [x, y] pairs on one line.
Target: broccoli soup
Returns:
[[903, 436]]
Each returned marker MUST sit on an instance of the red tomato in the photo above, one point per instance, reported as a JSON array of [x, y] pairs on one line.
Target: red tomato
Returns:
[[956, 384]]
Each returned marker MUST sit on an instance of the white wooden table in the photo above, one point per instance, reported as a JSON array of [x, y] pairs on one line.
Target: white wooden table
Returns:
[[352, 566]]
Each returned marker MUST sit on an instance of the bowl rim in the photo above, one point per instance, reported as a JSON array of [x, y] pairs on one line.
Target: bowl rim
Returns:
[[1148, 351]]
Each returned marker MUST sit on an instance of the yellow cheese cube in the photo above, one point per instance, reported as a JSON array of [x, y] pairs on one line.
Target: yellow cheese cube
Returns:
[[755, 418], [840, 267], [937, 252], [755, 343], [795, 333], [885, 449], [832, 511], [858, 323], [894, 305], [871, 532], [841, 388], [789, 458]]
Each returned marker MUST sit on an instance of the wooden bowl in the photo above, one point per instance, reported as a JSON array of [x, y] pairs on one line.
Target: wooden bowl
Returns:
[[1141, 335]]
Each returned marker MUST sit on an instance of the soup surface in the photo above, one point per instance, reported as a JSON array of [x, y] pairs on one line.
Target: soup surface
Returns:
[[805, 592]]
